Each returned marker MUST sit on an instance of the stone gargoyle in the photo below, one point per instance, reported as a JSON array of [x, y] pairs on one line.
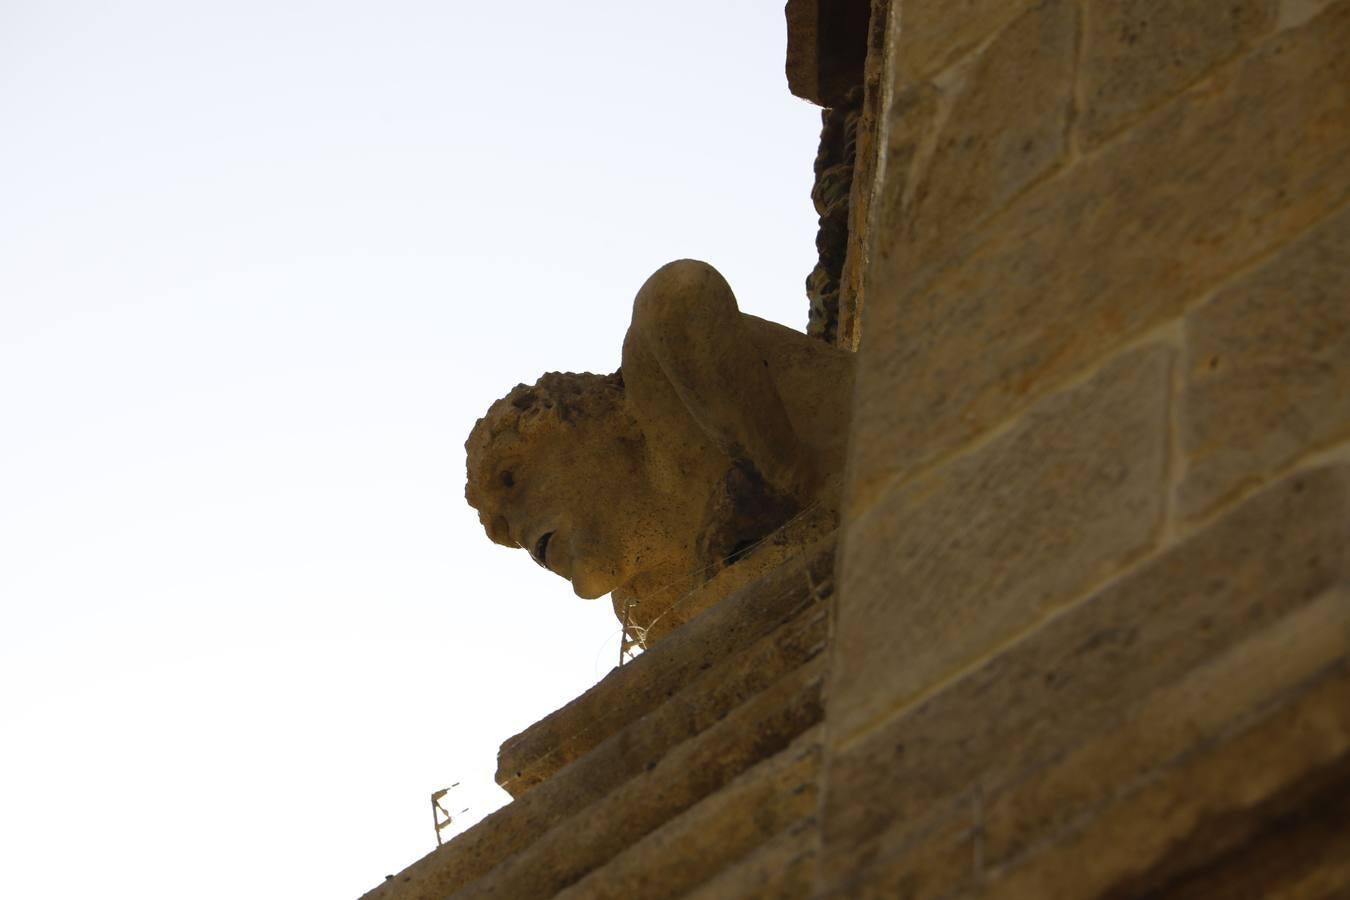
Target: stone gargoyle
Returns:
[[718, 429]]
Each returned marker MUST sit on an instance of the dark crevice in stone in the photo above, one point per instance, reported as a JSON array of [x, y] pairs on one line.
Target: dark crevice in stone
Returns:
[[1252, 852], [830, 194]]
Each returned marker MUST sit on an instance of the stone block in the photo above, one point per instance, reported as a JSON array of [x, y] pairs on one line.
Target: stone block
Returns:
[[1272, 775], [950, 566], [1295, 13], [1268, 368], [1138, 53], [714, 834], [1240, 684], [933, 33], [783, 869], [1105, 250], [993, 125], [940, 863], [1083, 672]]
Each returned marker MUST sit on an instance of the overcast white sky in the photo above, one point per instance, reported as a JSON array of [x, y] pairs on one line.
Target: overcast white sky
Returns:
[[262, 265]]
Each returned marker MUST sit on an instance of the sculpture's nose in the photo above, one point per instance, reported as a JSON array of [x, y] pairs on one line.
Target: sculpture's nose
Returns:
[[540, 549]]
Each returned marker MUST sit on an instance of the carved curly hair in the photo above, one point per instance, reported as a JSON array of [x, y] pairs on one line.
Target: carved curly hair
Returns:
[[557, 399]]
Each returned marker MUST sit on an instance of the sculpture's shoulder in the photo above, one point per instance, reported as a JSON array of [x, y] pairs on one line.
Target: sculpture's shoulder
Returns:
[[787, 349], [814, 380], [682, 296]]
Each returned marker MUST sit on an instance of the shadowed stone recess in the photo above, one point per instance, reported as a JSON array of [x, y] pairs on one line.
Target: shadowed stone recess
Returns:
[[1302, 855], [831, 194], [826, 48], [864, 177]]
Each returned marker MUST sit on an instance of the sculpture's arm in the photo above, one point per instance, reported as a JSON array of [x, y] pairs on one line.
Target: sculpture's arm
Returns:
[[688, 341]]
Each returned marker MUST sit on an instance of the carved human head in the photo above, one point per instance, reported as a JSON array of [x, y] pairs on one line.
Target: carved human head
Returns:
[[557, 468]]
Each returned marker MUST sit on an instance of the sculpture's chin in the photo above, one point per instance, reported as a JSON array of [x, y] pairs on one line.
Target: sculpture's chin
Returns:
[[590, 585]]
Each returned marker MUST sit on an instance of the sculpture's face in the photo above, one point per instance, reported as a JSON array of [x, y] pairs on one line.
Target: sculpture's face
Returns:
[[576, 497]]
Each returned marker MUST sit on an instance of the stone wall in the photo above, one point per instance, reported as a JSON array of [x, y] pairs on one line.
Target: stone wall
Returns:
[[1092, 633]]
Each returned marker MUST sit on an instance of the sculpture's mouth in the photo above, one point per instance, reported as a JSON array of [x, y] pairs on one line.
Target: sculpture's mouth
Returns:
[[540, 549]]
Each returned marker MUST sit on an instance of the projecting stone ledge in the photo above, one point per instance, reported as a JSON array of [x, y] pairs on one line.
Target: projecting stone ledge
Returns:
[[826, 48], [645, 761], [714, 655]]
